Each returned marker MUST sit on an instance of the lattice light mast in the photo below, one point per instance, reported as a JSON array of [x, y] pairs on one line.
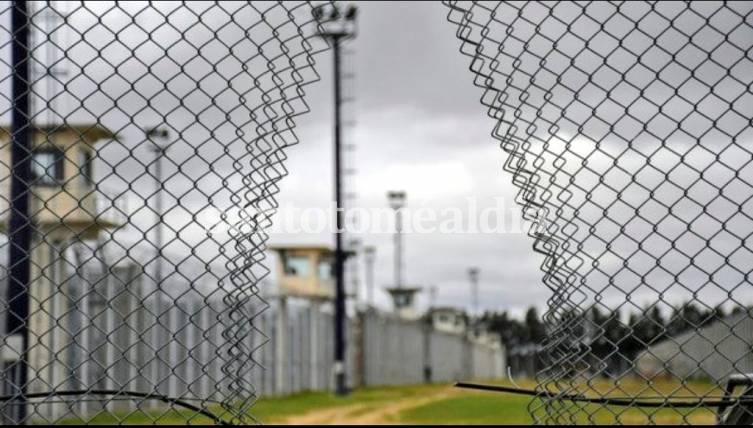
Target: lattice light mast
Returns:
[[338, 26]]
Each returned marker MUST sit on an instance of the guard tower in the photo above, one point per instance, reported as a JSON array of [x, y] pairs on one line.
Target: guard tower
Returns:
[[403, 299], [63, 192], [305, 271], [63, 209]]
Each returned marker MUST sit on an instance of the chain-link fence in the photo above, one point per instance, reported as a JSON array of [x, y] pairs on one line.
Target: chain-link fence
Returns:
[[141, 145], [628, 132], [140, 151]]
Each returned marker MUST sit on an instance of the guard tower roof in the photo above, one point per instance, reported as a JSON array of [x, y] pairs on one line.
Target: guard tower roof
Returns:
[[89, 133], [313, 247], [325, 249]]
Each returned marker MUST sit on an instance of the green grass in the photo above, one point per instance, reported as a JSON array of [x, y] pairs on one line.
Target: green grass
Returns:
[[266, 410], [441, 404], [275, 409], [478, 407], [163, 416], [484, 410], [472, 409]]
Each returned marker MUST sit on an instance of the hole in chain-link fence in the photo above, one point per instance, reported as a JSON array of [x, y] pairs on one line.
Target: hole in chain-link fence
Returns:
[[140, 148], [627, 127], [141, 145]]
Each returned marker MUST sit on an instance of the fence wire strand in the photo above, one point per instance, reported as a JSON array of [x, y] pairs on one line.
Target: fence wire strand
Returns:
[[627, 130], [157, 140]]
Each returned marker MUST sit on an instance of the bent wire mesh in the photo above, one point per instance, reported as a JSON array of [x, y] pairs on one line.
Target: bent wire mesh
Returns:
[[140, 148], [627, 128]]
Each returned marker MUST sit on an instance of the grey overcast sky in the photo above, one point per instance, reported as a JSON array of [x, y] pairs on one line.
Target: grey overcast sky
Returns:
[[675, 103], [421, 128]]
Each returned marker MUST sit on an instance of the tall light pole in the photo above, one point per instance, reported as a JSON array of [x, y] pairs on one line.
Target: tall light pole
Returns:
[[337, 27], [159, 153], [369, 255], [396, 199], [402, 296], [473, 277]]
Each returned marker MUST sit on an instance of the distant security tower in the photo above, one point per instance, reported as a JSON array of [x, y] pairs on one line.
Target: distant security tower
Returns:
[[305, 271], [403, 299], [63, 192], [63, 209]]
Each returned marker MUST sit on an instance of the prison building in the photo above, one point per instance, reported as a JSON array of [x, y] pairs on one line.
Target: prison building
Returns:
[[713, 352]]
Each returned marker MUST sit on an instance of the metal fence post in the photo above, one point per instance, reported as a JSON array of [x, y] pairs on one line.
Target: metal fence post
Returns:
[[20, 227], [428, 331], [281, 346]]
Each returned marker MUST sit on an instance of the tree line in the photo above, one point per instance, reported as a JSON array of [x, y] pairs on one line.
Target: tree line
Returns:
[[605, 333]]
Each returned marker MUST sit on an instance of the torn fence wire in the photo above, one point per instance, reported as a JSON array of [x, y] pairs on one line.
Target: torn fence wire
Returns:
[[627, 129], [140, 153]]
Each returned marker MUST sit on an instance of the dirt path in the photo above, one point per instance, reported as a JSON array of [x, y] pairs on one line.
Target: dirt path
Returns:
[[382, 412]]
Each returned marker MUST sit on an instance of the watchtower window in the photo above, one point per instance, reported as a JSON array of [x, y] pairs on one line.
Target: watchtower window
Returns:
[[47, 166], [296, 266], [85, 167], [325, 270], [402, 300]]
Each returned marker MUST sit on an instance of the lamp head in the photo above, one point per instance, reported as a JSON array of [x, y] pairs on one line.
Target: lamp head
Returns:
[[396, 198], [351, 13], [157, 132]]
